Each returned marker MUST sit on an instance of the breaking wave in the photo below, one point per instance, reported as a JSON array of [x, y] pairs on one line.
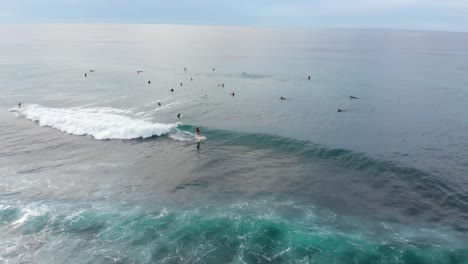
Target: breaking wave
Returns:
[[96, 122]]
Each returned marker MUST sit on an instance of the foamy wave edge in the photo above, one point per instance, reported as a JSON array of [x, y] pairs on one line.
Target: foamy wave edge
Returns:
[[100, 125]]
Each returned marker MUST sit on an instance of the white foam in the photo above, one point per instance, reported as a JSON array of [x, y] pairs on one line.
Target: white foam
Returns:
[[98, 123], [28, 212], [182, 135], [108, 110]]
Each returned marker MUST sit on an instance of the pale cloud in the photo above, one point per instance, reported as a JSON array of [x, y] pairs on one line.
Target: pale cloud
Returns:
[[416, 14], [6, 15]]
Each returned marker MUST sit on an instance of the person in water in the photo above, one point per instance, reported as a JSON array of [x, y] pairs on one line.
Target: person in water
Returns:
[[138, 72], [159, 103], [91, 70], [178, 116], [19, 105], [213, 69], [149, 82], [185, 69], [233, 94], [222, 85], [308, 78], [340, 110], [353, 97], [191, 79], [180, 84], [282, 98], [85, 75], [172, 89], [198, 131]]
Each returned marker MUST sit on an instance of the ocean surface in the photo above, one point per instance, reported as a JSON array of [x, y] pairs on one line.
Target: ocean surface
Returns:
[[93, 170]]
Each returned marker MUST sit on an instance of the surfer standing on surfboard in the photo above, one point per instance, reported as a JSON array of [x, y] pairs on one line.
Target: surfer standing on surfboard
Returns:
[[198, 136]]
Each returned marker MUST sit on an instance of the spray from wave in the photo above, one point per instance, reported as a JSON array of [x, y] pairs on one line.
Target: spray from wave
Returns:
[[94, 122]]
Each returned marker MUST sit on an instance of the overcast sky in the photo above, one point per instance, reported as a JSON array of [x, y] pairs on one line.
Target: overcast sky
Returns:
[[398, 14]]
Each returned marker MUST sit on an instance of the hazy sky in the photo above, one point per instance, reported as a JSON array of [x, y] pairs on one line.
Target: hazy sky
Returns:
[[401, 14]]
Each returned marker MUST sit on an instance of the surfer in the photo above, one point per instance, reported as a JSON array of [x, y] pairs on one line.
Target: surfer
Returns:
[[353, 97], [91, 70], [85, 75], [191, 79], [149, 82], [180, 84], [233, 94], [185, 69], [172, 89], [222, 85], [340, 110], [198, 131], [282, 98], [178, 116], [308, 78], [139, 72], [19, 105], [159, 103], [213, 69]]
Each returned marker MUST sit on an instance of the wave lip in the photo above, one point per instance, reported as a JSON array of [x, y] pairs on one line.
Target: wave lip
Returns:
[[98, 124]]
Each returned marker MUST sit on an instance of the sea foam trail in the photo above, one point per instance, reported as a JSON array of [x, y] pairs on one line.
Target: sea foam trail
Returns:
[[98, 124]]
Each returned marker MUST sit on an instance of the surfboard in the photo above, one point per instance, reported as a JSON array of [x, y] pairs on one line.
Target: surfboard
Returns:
[[199, 138]]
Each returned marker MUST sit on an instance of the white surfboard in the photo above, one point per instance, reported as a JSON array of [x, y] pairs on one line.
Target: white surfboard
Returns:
[[199, 138]]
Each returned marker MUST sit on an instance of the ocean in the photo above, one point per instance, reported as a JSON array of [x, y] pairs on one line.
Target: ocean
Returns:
[[94, 170]]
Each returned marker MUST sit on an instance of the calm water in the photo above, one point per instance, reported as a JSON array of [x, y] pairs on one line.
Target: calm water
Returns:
[[93, 170]]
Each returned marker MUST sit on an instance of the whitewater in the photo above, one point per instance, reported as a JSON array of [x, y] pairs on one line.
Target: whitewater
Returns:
[[100, 123]]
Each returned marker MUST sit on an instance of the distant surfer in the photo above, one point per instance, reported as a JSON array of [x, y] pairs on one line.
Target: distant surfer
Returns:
[[149, 82], [233, 94], [185, 69], [191, 79], [178, 116], [213, 69], [159, 103], [91, 70], [197, 130], [308, 78], [19, 105], [222, 85], [282, 98], [138, 72], [340, 110], [244, 73], [85, 75], [180, 84], [172, 89], [353, 97]]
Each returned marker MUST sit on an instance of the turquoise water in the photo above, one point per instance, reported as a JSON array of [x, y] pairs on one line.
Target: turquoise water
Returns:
[[93, 170]]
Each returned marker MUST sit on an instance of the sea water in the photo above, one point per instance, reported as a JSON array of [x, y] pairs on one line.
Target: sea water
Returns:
[[94, 170]]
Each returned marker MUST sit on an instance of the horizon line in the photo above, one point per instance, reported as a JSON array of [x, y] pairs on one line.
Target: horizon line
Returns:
[[232, 25]]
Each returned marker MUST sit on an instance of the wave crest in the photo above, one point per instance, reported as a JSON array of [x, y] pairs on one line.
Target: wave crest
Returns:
[[98, 124]]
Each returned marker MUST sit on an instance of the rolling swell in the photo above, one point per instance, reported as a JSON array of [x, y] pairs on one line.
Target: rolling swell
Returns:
[[417, 194]]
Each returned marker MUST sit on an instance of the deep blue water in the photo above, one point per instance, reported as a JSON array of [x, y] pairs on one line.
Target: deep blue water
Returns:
[[93, 170]]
